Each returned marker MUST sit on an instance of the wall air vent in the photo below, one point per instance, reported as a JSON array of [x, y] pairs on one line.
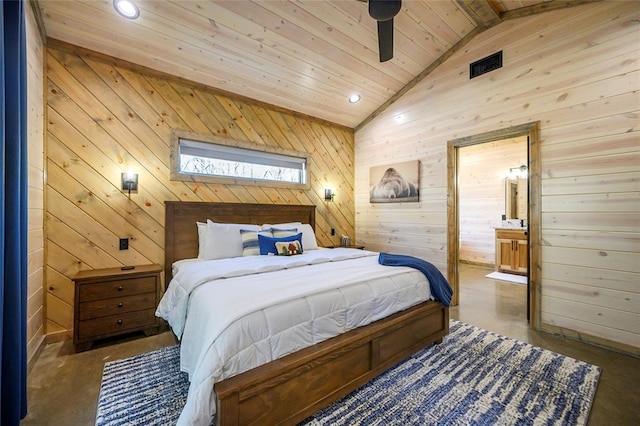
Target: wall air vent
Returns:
[[484, 65]]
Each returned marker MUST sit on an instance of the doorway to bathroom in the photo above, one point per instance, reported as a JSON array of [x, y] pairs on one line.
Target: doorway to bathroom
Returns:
[[493, 200], [493, 246]]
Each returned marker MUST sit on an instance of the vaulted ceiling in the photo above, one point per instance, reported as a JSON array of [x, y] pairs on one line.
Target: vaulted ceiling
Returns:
[[308, 56]]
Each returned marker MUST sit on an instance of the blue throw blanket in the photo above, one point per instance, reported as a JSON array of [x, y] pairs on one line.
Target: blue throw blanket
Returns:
[[439, 285]]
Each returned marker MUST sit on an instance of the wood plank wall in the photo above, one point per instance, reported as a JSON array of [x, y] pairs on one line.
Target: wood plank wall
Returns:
[[35, 135], [106, 116], [577, 72], [482, 195]]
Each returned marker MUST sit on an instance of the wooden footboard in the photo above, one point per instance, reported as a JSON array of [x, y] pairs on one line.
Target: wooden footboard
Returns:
[[290, 389]]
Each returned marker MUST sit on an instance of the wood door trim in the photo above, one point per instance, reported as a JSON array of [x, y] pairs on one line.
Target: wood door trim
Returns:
[[534, 210]]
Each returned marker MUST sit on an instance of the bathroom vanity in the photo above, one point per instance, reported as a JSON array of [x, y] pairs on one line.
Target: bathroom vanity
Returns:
[[512, 250]]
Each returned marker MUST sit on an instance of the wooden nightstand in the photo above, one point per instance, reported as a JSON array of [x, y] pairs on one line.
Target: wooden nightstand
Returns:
[[112, 301]]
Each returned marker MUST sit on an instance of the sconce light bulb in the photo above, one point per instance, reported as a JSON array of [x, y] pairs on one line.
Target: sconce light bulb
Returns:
[[130, 181], [329, 194]]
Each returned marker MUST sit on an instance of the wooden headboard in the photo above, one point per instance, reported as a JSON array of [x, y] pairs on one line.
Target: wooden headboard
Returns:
[[181, 234]]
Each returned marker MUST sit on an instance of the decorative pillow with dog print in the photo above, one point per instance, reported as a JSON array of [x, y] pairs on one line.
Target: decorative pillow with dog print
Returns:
[[268, 244], [288, 248]]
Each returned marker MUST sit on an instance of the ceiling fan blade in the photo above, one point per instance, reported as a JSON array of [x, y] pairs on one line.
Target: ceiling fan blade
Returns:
[[385, 39]]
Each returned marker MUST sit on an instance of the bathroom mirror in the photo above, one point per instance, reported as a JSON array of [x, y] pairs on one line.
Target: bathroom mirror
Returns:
[[515, 198]]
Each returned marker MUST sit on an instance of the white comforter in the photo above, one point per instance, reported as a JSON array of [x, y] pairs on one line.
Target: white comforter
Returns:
[[233, 315]]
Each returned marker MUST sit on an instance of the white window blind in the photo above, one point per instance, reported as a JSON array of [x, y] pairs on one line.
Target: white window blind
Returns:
[[212, 159]]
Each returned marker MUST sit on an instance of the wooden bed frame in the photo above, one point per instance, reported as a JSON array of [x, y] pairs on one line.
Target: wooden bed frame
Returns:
[[290, 389]]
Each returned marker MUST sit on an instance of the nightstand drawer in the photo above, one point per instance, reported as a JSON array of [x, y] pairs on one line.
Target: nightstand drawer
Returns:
[[117, 288], [117, 306], [115, 324]]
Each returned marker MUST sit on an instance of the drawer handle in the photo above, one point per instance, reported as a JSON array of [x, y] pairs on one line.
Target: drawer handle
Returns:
[[119, 322], [120, 305], [120, 288]]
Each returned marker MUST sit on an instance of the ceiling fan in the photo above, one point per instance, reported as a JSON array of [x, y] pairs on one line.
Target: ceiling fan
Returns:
[[383, 12]]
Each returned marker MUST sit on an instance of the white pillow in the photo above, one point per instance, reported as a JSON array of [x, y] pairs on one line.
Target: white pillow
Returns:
[[282, 225], [224, 239], [308, 236], [202, 238]]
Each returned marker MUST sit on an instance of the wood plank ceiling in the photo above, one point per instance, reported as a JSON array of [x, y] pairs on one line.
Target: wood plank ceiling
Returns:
[[307, 56]]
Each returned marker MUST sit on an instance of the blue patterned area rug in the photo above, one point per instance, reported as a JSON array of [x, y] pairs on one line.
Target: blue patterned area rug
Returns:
[[473, 378], [147, 389]]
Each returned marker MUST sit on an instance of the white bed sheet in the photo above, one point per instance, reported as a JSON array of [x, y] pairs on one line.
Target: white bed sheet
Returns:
[[238, 323]]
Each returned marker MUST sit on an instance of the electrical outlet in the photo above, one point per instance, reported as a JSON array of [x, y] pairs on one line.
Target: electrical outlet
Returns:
[[124, 244], [333, 231]]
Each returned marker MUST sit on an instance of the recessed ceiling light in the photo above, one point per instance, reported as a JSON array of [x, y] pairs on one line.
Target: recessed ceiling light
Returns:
[[354, 99], [126, 8]]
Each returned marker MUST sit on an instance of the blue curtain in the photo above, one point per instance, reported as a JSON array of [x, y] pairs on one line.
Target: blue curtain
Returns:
[[13, 213]]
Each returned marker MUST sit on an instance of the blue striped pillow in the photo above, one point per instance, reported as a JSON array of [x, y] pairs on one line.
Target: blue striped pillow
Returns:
[[250, 245], [279, 233]]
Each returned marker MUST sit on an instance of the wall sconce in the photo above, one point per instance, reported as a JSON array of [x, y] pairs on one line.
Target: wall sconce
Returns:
[[516, 172], [329, 194], [129, 182]]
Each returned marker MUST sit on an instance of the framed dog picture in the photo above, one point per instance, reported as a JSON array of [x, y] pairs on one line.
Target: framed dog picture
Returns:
[[395, 183]]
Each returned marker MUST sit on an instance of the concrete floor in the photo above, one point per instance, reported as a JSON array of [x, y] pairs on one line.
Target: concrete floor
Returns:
[[63, 386]]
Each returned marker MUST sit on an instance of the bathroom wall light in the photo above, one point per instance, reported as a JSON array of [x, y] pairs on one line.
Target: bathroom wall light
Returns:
[[126, 8], [329, 194], [130, 182], [518, 172]]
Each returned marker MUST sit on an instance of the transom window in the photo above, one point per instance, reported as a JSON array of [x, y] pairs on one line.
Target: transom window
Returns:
[[224, 159]]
